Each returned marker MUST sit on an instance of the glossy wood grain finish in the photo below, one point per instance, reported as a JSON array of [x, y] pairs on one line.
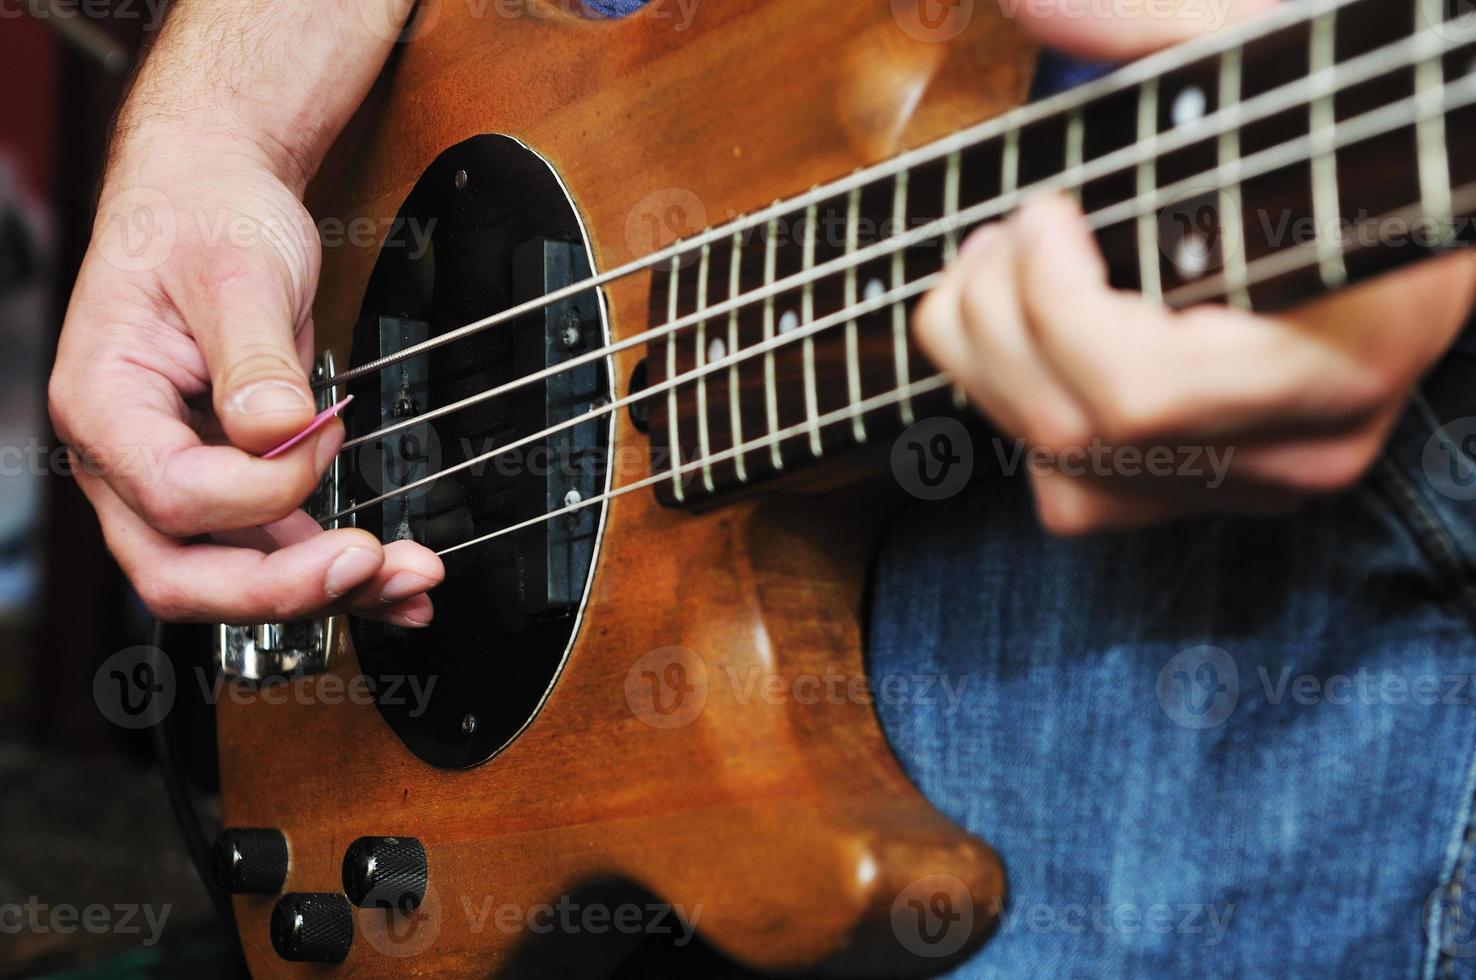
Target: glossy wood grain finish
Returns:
[[787, 828]]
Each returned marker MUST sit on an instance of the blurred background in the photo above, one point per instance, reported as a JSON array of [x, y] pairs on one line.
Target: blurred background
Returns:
[[95, 879]]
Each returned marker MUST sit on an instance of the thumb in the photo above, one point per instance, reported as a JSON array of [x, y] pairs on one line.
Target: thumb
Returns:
[[242, 311]]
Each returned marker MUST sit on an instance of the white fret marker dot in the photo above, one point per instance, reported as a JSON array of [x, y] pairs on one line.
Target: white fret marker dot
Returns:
[[875, 290], [789, 321], [716, 350], [1191, 255], [1189, 105]]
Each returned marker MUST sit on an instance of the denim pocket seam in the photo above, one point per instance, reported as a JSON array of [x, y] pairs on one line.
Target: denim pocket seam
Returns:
[[1436, 541]]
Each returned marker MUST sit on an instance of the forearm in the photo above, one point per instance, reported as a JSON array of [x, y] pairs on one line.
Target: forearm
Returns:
[[272, 81]]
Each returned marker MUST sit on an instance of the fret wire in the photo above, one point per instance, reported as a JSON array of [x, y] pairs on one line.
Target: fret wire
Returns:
[[1360, 69], [1430, 142], [899, 312], [1232, 232], [807, 316], [951, 185], [1009, 180], [1075, 144], [952, 179], [1148, 272], [672, 422], [700, 335], [735, 413], [1326, 209], [1125, 78], [771, 394], [853, 341]]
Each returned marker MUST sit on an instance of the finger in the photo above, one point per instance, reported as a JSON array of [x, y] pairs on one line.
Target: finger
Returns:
[[243, 308], [129, 425], [937, 325], [412, 613], [219, 583], [410, 569], [1014, 381], [1145, 373], [1118, 32]]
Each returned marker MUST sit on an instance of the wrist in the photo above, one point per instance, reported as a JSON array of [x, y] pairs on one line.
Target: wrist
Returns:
[[166, 152]]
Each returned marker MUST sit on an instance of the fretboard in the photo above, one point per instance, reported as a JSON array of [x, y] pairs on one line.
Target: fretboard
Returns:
[[1325, 143]]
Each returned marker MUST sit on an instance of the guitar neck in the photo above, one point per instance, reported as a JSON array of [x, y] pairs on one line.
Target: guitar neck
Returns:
[[1328, 142]]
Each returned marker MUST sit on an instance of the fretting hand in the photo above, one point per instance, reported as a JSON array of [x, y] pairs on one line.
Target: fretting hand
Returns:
[[1300, 404]]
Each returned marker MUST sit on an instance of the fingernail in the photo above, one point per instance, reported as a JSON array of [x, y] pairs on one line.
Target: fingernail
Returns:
[[409, 621], [350, 569], [267, 397], [403, 585]]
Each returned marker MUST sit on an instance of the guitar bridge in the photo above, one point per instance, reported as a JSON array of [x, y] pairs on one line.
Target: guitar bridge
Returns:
[[276, 651]]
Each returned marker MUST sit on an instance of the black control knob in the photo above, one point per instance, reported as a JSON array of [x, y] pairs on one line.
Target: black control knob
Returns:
[[312, 927], [250, 861], [386, 873]]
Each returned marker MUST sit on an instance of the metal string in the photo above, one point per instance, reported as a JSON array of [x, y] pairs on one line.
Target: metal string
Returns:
[[1303, 255], [1278, 100]]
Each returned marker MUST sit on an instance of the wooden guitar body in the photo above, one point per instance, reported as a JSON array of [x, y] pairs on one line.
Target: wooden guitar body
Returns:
[[709, 743]]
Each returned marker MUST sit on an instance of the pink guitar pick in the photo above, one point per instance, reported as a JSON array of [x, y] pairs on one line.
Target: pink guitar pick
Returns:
[[312, 427]]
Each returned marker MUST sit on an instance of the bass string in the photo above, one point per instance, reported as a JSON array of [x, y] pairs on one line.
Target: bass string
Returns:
[[1367, 126], [1216, 286], [1305, 255], [875, 304], [915, 389], [1335, 76]]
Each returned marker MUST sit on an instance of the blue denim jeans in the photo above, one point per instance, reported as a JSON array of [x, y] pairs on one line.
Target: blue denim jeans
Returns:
[[1230, 748]]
